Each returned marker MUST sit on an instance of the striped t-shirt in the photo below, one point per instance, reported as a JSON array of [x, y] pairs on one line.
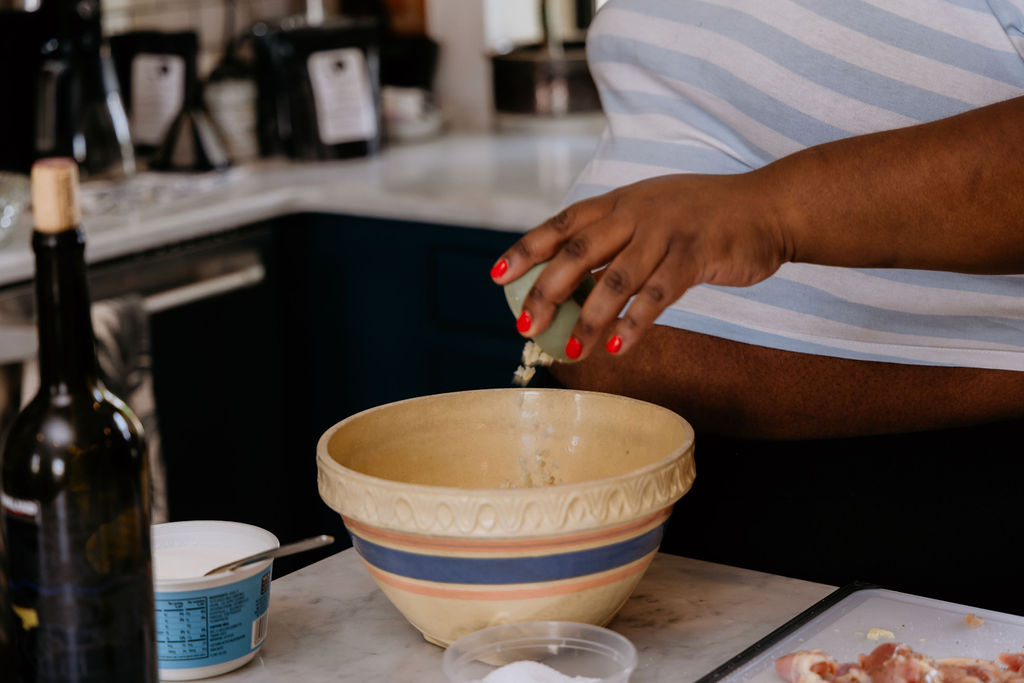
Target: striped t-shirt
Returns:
[[726, 86]]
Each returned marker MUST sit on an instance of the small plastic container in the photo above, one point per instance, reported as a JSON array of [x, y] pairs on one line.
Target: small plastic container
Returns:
[[208, 625], [571, 649]]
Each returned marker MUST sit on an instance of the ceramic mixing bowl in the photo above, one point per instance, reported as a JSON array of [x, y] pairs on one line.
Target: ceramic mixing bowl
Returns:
[[479, 508]]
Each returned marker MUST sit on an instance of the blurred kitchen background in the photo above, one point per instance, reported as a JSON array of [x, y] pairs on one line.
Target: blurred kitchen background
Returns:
[[422, 65], [291, 208]]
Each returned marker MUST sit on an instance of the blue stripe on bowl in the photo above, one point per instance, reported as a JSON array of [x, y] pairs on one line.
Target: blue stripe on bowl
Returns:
[[507, 570]]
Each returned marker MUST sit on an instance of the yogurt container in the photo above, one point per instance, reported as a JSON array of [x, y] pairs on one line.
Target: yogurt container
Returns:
[[208, 625]]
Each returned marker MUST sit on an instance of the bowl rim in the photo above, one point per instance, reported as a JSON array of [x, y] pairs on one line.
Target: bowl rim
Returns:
[[330, 463], [674, 474], [194, 529]]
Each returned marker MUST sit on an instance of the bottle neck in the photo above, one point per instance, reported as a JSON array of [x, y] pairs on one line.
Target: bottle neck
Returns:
[[67, 348]]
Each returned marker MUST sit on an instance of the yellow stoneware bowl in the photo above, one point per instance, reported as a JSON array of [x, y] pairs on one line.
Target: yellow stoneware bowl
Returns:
[[479, 508]]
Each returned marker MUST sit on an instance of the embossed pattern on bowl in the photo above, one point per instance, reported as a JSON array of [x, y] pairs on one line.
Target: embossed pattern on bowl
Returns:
[[478, 508]]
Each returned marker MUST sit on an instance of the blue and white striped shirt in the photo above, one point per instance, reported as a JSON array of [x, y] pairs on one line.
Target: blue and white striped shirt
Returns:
[[726, 86]]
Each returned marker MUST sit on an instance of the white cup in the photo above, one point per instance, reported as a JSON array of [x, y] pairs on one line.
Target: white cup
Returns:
[[208, 625]]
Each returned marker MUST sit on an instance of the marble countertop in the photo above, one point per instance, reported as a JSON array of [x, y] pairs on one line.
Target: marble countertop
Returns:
[[330, 622], [500, 181]]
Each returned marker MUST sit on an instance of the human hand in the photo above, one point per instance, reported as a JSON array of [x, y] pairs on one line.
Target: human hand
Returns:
[[658, 238]]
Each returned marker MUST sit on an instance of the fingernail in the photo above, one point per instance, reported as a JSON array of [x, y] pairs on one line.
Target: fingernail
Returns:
[[573, 348], [614, 344], [499, 269], [523, 322]]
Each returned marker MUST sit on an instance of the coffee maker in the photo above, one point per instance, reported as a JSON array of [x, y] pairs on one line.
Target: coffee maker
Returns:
[[63, 97], [318, 87]]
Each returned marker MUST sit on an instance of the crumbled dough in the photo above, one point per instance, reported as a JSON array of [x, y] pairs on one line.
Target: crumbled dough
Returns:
[[973, 621], [523, 375], [535, 472], [533, 356], [879, 633]]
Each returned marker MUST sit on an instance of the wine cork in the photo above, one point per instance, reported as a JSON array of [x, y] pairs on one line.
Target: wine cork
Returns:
[[55, 195]]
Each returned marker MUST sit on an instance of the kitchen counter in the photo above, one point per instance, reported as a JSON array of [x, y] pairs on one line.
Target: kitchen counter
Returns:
[[265, 250], [330, 622], [507, 181]]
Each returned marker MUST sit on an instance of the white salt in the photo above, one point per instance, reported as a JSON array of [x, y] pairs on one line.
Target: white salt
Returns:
[[532, 672]]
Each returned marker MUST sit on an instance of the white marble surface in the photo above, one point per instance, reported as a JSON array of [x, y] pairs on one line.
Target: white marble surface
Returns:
[[504, 181], [329, 622]]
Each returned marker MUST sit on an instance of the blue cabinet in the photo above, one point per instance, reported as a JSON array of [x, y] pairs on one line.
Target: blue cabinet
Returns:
[[354, 312]]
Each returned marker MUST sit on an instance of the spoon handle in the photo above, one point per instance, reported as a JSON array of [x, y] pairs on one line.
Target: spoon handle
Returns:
[[286, 549]]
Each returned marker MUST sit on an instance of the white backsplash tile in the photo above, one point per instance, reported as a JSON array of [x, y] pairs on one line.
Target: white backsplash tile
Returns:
[[211, 17], [206, 17], [463, 80]]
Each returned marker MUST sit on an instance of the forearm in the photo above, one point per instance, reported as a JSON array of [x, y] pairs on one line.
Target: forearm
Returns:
[[946, 195]]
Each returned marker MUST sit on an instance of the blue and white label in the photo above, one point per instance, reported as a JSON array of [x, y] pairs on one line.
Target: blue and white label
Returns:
[[213, 625]]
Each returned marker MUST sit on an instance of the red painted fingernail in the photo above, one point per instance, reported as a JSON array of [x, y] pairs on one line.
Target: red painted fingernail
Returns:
[[523, 322], [573, 347], [614, 344], [499, 269]]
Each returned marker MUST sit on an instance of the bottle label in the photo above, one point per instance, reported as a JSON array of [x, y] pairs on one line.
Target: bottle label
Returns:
[[212, 625], [158, 94], [343, 95], [76, 606], [19, 507]]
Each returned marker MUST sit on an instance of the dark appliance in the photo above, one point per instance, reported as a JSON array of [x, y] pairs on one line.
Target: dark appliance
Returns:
[[533, 79], [549, 79], [21, 42], [585, 10], [63, 98], [79, 112], [319, 88], [157, 71], [169, 122]]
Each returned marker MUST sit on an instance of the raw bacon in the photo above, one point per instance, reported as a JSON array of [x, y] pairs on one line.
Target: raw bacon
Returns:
[[898, 663]]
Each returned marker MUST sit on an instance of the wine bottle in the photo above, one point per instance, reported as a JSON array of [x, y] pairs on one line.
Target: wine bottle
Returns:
[[6, 615], [75, 482]]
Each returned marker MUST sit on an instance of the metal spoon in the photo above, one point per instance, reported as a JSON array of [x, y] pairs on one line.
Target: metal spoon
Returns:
[[286, 549]]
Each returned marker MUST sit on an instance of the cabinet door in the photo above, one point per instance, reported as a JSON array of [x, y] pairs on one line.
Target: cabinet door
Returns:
[[385, 310], [353, 313], [396, 310], [221, 388]]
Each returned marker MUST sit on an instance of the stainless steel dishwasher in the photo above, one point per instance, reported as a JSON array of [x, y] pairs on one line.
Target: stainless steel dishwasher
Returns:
[[127, 294], [163, 279]]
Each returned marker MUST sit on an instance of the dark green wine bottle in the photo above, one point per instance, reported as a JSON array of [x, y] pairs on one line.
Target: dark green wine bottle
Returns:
[[6, 614], [75, 481]]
